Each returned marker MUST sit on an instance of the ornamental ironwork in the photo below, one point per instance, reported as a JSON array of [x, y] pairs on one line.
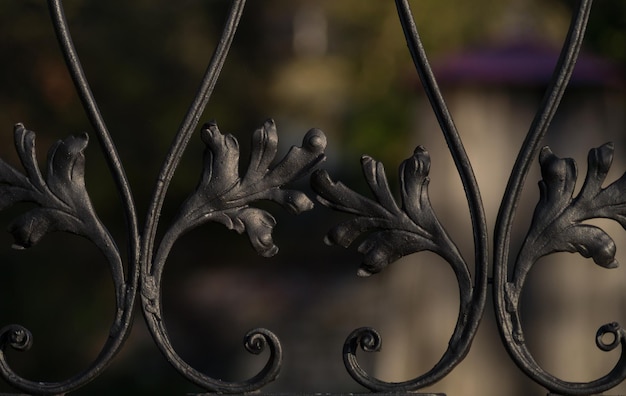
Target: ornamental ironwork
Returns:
[[387, 228]]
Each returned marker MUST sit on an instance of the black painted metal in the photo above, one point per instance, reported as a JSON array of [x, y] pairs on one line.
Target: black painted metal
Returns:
[[557, 224], [391, 229], [413, 227]]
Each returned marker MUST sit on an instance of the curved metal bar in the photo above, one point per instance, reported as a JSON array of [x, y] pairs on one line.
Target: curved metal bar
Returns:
[[109, 150], [256, 340], [20, 338], [93, 113], [506, 290], [187, 127], [530, 147], [472, 307], [223, 196], [17, 337], [461, 160], [394, 231]]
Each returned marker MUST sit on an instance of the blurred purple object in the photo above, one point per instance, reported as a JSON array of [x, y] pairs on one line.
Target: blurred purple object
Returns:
[[522, 63]]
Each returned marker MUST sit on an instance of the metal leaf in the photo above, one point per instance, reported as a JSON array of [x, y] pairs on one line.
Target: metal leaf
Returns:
[[64, 204], [590, 242], [259, 225], [390, 232], [385, 247], [223, 197], [25, 146], [28, 229], [66, 170], [264, 147], [557, 224], [414, 180], [338, 196], [221, 162]]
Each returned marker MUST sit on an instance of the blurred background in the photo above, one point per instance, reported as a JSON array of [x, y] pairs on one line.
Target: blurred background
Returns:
[[341, 66]]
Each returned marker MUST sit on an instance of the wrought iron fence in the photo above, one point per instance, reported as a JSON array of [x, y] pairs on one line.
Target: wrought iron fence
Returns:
[[387, 228]]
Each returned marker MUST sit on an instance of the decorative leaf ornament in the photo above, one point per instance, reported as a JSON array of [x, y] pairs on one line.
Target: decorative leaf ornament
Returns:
[[64, 204], [394, 230], [557, 224], [559, 214], [387, 229], [224, 197], [389, 232]]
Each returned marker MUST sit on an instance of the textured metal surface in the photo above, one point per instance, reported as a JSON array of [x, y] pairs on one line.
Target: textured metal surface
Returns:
[[399, 230], [557, 225], [389, 229]]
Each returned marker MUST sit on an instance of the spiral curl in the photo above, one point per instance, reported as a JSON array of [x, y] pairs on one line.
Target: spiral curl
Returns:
[[17, 337], [618, 333], [367, 338], [256, 340]]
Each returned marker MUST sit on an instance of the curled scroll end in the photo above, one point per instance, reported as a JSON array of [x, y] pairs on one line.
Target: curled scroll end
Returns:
[[17, 337], [610, 336], [255, 342], [366, 338]]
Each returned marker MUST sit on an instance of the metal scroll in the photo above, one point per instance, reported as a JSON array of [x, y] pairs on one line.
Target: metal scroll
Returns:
[[557, 225], [388, 228], [398, 230]]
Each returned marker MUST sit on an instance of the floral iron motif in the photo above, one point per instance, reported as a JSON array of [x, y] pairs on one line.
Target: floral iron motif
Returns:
[[221, 196], [393, 232], [224, 197], [397, 231], [389, 230], [560, 216], [64, 205], [411, 228], [557, 221], [557, 226]]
